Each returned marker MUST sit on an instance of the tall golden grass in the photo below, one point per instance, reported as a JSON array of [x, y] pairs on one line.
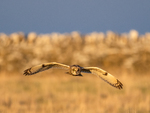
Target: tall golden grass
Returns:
[[53, 92], [127, 56]]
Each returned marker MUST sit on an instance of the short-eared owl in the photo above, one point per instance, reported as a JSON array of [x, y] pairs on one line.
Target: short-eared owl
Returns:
[[76, 70]]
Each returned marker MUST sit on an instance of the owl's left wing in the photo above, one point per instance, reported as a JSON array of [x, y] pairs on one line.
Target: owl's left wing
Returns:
[[43, 67], [104, 75]]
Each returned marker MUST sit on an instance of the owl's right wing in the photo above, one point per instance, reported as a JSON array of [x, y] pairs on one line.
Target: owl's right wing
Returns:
[[43, 67], [103, 75]]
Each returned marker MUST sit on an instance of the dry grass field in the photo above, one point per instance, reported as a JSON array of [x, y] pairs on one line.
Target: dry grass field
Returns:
[[55, 92], [126, 56]]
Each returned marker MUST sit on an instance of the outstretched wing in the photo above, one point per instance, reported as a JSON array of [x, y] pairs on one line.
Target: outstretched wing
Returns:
[[43, 67], [104, 75]]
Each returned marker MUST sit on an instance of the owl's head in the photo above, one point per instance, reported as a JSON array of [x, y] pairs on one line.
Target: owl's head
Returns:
[[75, 70]]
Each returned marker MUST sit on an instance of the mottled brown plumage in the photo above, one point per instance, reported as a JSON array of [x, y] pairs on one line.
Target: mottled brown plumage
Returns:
[[76, 70]]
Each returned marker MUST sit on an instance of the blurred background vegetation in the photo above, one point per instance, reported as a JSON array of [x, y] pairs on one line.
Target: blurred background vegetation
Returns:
[[126, 56], [128, 52]]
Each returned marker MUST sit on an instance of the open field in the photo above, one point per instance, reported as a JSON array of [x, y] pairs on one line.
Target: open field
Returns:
[[126, 56], [53, 92]]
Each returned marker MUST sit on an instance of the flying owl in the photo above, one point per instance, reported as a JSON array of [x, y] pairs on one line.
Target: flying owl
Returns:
[[76, 70]]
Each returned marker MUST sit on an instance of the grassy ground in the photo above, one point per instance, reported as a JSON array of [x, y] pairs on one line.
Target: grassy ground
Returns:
[[55, 92]]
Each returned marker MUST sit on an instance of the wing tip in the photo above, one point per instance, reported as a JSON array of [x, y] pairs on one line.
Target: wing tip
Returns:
[[27, 72], [119, 85]]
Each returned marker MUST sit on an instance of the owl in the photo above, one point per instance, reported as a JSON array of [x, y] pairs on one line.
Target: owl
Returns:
[[76, 70]]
